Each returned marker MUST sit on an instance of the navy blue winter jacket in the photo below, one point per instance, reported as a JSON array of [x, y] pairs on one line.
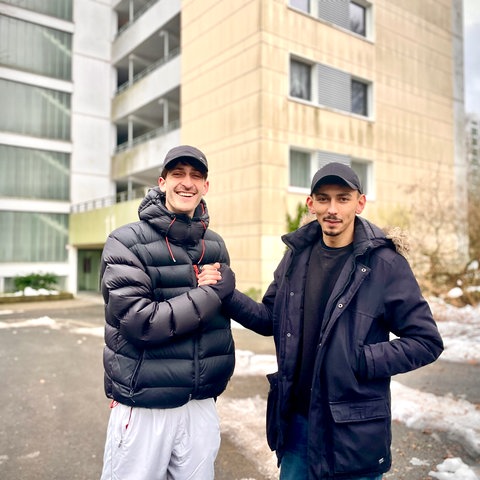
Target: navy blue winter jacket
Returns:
[[376, 293], [167, 341]]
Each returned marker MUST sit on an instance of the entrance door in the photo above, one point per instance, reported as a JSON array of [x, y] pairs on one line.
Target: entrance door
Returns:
[[89, 270]]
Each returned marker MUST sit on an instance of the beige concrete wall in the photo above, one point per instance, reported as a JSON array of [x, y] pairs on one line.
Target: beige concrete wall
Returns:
[[235, 106]]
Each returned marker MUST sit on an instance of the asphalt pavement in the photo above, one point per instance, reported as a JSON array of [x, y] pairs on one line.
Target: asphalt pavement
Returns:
[[54, 412]]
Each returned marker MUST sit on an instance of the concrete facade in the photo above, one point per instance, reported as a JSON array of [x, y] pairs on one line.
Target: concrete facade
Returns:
[[147, 76]]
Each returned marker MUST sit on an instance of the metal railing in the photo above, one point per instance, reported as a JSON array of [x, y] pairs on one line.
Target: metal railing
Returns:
[[124, 86], [157, 132], [137, 14], [102, 202]]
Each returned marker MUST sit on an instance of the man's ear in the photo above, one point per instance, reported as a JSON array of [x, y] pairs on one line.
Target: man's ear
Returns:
[[362, 200], [309, 203], [161, 183], [206, 186]]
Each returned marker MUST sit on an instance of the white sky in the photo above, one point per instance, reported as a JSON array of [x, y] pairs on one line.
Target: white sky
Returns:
[[471, 42]]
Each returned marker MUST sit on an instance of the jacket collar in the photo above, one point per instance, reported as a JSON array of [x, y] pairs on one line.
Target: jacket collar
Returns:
[[367, 236], [178, 228]]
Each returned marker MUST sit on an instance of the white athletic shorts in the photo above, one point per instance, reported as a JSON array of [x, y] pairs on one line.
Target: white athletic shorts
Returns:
[[162, 444]]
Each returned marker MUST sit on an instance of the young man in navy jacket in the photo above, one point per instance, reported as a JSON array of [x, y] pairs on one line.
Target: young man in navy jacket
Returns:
[[338, 294]]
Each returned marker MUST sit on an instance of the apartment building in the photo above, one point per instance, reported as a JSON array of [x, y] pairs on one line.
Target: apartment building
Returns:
[[269, 89]]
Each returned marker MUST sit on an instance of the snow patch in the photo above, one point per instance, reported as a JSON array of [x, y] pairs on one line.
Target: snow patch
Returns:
[[453, 469]]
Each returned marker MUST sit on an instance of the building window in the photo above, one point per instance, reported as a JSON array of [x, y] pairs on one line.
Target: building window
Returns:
[[33, 237], [55, 8], [303, 5], [300, 169], [364, 172], [304, 164], [359, 97], [351, 15], [34, 174], [300, 80], [35, 48], [330, 87], [357, 18], [36, 111]]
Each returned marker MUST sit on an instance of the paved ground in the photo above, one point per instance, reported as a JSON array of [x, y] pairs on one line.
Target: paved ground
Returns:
[[54, 413]]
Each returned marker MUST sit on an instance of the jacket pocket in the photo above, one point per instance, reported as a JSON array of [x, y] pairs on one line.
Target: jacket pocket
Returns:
[[272, 411], [361, 436]]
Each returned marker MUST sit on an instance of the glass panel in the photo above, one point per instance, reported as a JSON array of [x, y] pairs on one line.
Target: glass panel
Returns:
[[35, 48], [36, 111], [29, 173], [361, 169], [300, 80], [299, 169], [303, 5], [33, 237], [55, 8], [359, 98], [357, 19]]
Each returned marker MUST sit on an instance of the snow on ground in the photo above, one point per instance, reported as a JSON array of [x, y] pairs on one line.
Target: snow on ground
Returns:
[[460, 330], [243, 420]]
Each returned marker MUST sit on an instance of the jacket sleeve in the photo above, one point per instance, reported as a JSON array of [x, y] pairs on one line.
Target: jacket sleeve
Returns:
[[409, 318], [257, 316], [130, 304]]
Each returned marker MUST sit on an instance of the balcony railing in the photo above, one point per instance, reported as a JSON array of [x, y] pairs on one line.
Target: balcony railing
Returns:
[[172, 54], [97, 203], [147, 136], [137, 14]]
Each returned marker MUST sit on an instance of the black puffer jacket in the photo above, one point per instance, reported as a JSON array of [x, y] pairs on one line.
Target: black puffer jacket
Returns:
[[167, 341]]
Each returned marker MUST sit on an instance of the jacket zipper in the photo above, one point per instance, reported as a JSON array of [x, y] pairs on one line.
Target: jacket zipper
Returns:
[[135, 375], [196, 368]]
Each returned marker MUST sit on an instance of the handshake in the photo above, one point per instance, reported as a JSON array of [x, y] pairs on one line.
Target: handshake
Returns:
[[219, 277]]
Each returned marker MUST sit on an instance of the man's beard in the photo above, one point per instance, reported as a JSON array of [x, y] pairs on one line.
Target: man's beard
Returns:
[[331, 234]]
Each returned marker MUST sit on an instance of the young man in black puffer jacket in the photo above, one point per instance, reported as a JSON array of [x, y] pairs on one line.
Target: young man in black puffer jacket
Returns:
[[169, 349]]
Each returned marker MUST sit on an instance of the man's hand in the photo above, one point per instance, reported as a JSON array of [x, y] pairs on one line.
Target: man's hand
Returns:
[[218, 277], [209, 274]]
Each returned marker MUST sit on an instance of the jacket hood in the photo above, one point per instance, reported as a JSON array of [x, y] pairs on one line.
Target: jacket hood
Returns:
[[367, 236], [176, 227]]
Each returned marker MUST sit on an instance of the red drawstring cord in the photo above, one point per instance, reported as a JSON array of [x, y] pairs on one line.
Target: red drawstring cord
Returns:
[[129, 418], [166, 239]]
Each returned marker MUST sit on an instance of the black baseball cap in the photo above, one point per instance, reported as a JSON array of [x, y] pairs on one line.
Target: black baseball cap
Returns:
[[336, 173], [189, 153]]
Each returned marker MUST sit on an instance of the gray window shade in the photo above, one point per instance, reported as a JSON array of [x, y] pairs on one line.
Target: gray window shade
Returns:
[[326, 157], [334, 88], [336, 12]]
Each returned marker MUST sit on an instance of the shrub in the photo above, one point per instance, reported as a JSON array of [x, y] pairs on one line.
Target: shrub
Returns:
[[48, 281]]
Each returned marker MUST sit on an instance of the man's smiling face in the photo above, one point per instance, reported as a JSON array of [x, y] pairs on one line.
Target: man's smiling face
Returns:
[[184, 186]]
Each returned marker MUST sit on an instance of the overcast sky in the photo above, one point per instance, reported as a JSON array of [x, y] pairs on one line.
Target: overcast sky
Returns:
[[471, 11]]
